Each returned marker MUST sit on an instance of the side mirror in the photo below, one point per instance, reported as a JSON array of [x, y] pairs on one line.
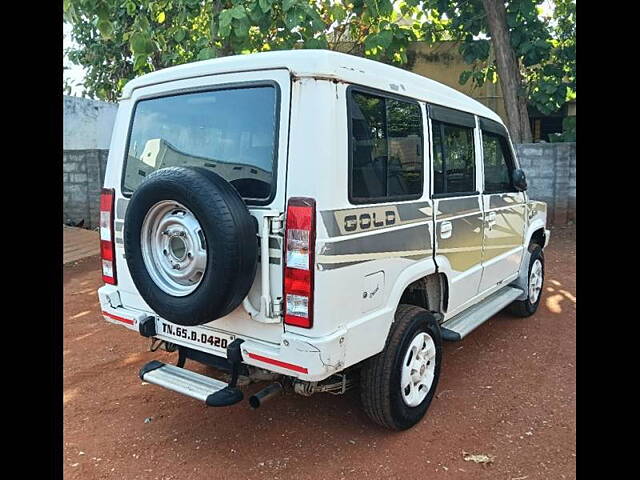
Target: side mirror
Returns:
[[519, 180]]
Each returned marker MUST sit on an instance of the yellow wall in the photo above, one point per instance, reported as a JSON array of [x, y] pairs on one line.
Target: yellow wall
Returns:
[[442, 62]]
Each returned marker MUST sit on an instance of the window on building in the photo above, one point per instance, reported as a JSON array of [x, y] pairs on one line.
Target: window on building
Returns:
[[497, 164], [386, 148], [453, 159]]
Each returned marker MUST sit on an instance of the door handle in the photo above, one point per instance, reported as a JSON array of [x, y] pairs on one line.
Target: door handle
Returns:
[[445, 229]]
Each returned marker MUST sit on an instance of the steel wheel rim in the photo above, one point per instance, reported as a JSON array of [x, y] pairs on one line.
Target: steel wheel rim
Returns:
[[418, 369], [173, 248], [535, 281]]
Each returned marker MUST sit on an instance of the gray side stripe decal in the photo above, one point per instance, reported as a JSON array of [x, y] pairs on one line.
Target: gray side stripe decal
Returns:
[[411, 242], [411, 238], [405, 213]]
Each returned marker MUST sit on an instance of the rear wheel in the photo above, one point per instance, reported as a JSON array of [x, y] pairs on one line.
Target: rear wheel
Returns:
[[398, 384]]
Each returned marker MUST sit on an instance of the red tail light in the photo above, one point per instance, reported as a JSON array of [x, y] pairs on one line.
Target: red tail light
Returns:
[[300, 237], [107, 247]]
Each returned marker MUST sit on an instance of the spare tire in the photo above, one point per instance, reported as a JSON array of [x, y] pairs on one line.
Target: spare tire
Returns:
[[190, 245]]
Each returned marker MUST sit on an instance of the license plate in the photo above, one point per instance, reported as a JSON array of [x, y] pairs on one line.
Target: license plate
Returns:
[[205, 337]]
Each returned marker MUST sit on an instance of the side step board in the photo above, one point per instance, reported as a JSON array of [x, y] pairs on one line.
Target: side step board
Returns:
[[214, 393], [461, 325]]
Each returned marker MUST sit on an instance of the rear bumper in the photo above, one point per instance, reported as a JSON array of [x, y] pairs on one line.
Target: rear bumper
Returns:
[[310, 359]]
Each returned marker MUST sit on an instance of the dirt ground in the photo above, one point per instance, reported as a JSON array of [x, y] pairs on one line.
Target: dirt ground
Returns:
[[507, 391]]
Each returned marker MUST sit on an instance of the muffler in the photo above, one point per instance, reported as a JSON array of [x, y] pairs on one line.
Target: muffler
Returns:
[[265, 394]]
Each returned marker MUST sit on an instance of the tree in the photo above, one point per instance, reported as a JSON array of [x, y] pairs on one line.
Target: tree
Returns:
[[533, 55], [121, 39]]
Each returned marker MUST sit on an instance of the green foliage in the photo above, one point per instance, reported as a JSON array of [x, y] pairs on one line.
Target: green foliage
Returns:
[[545, 46], [568, 131], [120, 39]]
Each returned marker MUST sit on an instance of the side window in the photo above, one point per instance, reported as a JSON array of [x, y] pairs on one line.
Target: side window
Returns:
[[453, 159], [386, 148], [497, 164]]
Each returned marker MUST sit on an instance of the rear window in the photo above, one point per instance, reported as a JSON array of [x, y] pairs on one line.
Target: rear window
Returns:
[[232, 132]]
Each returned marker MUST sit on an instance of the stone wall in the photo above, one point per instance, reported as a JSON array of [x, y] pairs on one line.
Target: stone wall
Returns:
[[83, 176], [551, 175]]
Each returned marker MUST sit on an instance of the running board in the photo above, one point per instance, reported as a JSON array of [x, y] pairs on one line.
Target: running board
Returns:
[[461, 325], [215, 393]]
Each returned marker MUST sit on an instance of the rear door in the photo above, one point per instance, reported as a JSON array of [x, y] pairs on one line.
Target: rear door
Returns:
[[504, 208], [235, 124], [457, 203]]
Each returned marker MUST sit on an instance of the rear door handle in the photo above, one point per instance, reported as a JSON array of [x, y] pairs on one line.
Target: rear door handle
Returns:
[[445, 229]]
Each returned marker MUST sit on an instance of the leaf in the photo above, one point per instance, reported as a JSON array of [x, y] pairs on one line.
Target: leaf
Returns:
[[265, 5], [139, 62], [337, 11], [370, 42], [241, 27], [161, 17], [287, 4], [140, 44], [238, 12], [464, 77], [224, 30], [225, 19], [179, 35], [385, 38], [291, 19], [131, 8], [105, 28], [206, 53]]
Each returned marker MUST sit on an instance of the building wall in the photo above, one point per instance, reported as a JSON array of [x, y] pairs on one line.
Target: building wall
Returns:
[[87, 127], [83, 176], [551, 176], [443, 63], [87, 124]]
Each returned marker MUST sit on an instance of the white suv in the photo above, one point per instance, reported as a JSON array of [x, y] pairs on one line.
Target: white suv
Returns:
[[312, 218]]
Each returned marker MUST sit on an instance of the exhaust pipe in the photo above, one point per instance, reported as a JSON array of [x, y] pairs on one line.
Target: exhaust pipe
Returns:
[[265, 394]]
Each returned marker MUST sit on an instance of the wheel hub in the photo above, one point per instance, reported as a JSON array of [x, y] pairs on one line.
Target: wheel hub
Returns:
[[173, 248], [535, 281], [418, 369]]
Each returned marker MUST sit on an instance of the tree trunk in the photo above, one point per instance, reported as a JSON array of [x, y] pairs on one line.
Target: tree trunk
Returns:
[[508, 71]]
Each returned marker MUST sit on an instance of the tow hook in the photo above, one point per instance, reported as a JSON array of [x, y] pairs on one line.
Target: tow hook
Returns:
[[265, 394]]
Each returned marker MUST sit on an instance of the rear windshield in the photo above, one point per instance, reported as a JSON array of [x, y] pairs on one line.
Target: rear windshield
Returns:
[[231, 132]]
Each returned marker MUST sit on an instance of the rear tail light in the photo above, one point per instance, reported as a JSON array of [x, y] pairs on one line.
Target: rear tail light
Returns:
[[300, 235], [107, 247]]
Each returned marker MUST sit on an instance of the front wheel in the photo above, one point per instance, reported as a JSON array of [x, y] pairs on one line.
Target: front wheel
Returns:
[[535, 280], [398, 384]]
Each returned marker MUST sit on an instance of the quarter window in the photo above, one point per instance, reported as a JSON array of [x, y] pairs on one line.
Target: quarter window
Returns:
[[386, 148], [497, 164], [453, 159]]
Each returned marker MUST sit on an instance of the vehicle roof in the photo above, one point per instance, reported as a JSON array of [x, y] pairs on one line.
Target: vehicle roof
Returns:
[[324, 64]]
